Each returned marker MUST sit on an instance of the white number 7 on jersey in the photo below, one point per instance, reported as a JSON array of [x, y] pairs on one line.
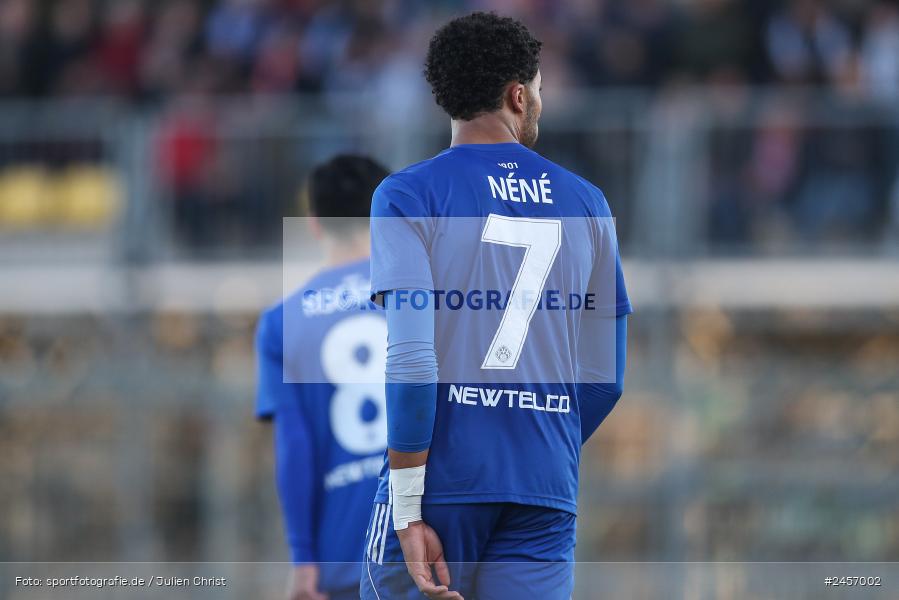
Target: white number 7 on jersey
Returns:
[[541, 239]]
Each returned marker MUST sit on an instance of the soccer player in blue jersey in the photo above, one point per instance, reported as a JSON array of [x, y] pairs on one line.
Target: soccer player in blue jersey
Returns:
[[501, 268], [329, 426]]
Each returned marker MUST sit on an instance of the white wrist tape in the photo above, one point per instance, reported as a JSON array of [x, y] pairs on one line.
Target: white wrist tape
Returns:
[[407, 486]]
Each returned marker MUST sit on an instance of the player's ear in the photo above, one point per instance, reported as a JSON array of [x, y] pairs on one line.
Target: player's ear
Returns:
[[515, 97]]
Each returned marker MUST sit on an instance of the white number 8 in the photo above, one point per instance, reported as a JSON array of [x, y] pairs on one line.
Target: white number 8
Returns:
[[356, 381]]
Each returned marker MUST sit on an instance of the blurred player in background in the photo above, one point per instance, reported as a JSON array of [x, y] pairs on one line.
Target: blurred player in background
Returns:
[[329, 427], [483, 473]]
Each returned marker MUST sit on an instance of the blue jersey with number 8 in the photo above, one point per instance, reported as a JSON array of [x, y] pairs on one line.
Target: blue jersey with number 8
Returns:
[[321, 361]]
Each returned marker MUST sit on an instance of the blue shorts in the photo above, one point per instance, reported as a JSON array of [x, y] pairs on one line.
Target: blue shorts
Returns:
[[344, 594], [496, 551]]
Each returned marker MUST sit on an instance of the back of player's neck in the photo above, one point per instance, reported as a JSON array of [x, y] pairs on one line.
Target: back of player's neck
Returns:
[[344, 252], [486, 129]]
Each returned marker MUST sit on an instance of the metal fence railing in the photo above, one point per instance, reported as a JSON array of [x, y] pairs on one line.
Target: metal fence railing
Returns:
[[731, 171]]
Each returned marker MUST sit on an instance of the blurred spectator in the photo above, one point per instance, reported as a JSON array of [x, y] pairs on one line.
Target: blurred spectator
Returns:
[[773, 168], [361, 58], [880, 51], [235, 27], [715, 35], [277, 66], [806, 43], [16, 25], [60, 51], [624, 43], [324, 39], [186, 151], [120, 45], [842, 189]]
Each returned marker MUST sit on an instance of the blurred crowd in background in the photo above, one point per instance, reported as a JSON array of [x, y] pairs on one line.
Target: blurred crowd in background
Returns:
[[772, 173], [816, 168], [146, 50]]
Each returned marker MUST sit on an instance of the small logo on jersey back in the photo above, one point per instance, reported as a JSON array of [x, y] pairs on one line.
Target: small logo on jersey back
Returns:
[[503, 354]]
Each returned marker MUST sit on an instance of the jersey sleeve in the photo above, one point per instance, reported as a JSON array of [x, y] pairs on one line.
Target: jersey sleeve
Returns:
[[294, 473], [599, 388], [411, 374], [607, 287], [400, 239], [271, 391], [279, 401]]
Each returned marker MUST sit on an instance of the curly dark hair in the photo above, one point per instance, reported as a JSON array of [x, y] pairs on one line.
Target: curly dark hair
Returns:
[[471, 59]]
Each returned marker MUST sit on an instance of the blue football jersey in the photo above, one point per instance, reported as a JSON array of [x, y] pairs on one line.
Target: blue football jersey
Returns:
[[314, 348], [516, 250]]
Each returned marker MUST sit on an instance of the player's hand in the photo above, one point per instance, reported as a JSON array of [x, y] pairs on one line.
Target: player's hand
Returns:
[[422, 550], [304, 584]]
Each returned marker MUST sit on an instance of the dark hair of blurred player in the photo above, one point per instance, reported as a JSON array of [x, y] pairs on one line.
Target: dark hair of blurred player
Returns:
[[338, 194]]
